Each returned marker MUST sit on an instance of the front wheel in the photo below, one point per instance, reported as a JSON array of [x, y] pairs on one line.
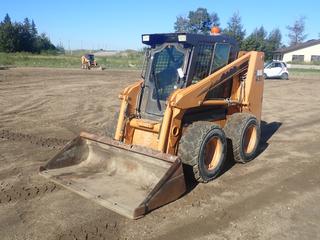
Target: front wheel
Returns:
[[203, 147]]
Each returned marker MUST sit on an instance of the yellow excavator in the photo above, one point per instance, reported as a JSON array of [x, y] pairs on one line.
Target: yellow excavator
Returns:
[[198, 98]]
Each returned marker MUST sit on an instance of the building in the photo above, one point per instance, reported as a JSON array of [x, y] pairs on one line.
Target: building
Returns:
[[304, 52]]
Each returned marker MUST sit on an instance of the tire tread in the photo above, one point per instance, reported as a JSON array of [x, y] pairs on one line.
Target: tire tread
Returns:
[[233, 130], [190, 145]]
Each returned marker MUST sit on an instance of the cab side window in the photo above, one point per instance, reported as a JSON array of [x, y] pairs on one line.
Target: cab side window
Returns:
[[221, 56], [220, 59], [203, 62]]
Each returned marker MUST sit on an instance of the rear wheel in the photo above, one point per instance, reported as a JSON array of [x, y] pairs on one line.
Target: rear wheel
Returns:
[[203, 147], [284, 76], [244, 131]]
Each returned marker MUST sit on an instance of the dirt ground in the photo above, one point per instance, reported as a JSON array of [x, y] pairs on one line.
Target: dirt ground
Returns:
[[276, 196]]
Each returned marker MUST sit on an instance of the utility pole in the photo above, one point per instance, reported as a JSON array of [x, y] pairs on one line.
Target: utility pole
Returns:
[[69, 47]]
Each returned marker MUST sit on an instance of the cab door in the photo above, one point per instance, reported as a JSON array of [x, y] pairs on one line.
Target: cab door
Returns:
[[163, 77]]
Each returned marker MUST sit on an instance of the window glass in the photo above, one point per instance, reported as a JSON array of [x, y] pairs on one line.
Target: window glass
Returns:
[[164, 71], [272, 65], [297, 58], [221, 56], [220, 59], [315, 58], [266, 64], [203, 62]]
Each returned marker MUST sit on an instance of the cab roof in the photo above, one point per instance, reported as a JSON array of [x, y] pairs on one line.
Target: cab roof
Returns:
[[186, 38]]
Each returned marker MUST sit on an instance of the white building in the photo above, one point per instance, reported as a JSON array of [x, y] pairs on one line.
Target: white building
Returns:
[[303, 52]]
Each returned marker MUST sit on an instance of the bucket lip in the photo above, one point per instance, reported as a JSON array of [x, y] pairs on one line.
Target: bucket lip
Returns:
[[129, 147], [114, 143]]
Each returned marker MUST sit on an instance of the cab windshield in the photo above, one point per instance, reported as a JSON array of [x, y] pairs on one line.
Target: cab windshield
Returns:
[[164, 71]]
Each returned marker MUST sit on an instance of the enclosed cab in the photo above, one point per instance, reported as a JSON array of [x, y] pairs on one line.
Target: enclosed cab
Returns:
[[178, 60]]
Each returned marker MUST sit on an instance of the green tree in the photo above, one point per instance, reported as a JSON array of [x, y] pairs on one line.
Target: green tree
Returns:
[[34, 30], [43, 43], [9, 35], [260, 40], [215, 20], [198, 21], [181, 24], [273, 42], [235, 28], [26, 39], [256, 41], [274, 39], [297, 31], [23, 36], [7, 19]]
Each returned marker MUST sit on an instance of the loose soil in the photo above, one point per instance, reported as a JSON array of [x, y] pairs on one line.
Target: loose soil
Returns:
[[276, 196]]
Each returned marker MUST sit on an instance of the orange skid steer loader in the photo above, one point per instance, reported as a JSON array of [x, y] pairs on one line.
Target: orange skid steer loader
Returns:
[[196, 92], [88, 61]]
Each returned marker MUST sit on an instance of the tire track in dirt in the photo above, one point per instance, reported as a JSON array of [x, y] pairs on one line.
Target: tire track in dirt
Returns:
[[53, 143], [21, 190], [98, 230], [17, 192], [31, 106]]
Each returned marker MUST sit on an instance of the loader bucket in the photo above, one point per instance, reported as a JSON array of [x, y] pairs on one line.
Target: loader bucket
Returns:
[[127, 179]]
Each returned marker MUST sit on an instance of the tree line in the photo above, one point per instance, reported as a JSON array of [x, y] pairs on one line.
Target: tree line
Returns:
[[23, 37], [201, 21]]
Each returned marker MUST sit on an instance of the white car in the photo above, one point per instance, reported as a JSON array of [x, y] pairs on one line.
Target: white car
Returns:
[[276, 69]]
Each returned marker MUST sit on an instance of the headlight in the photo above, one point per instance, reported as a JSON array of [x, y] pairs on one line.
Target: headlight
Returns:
[[145, 38], [182, 38]]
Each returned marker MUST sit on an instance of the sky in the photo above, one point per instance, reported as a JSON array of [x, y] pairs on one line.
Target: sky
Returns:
[[118, 25]]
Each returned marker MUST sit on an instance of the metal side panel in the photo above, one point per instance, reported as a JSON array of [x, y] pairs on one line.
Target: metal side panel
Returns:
[[126, 179]]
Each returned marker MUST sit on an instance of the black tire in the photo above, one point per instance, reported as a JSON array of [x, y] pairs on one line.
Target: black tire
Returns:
[[284, 76], [112, 126], [206, 163], [244, 131], [265, 76]]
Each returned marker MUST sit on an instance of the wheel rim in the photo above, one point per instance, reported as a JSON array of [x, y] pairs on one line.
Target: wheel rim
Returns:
[[250, 139], [213, 152]]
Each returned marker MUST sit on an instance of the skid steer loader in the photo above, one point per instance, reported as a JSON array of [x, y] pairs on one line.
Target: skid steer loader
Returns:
[[88, 61], [198, 94]]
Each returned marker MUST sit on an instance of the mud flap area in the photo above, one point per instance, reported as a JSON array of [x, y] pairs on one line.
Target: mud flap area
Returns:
[[127, 179]]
